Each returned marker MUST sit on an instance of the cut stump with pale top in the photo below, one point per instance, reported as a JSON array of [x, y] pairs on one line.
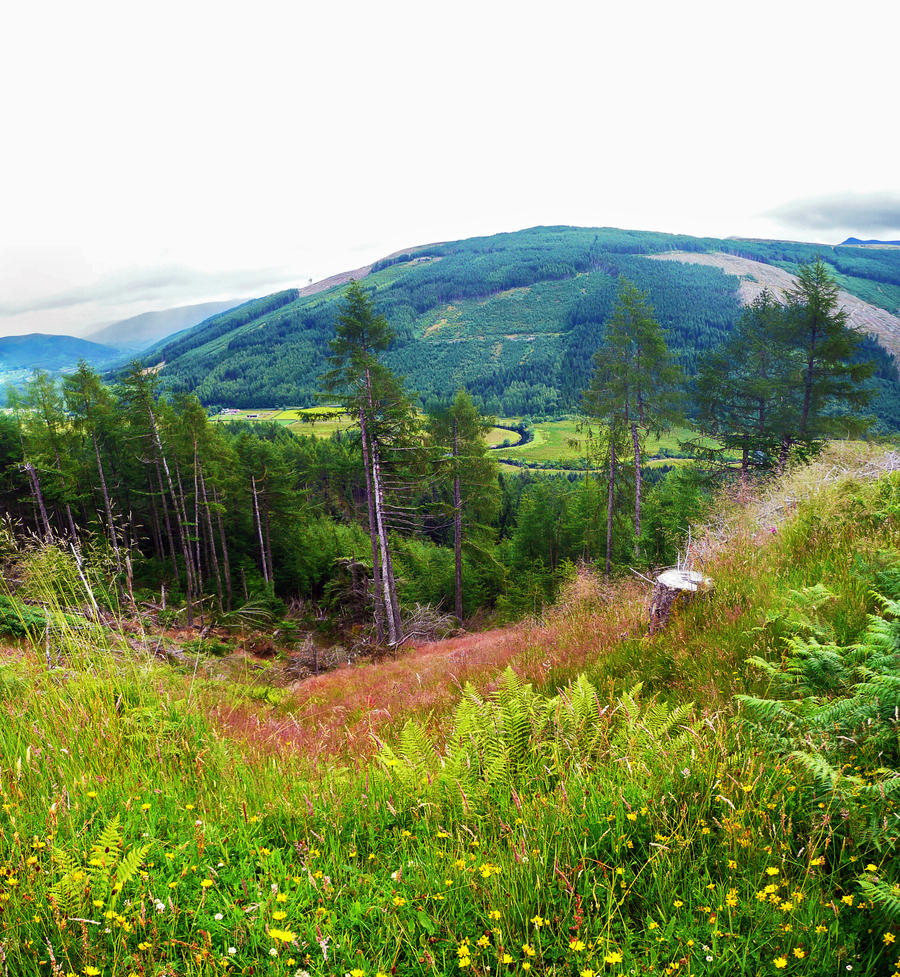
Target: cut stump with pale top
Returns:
[[669, 586]]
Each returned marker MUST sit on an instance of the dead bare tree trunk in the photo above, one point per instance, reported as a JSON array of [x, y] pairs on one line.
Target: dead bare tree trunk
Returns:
[[259, 531], [39, 499], [185, 546], [387, 570], [610, 502], [457, 526], [225, 560], [373, 532], [211, 541], [170, 536]]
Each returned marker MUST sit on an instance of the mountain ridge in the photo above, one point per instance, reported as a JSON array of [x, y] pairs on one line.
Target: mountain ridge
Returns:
[[45, 351], [139, 332], [513, 317]]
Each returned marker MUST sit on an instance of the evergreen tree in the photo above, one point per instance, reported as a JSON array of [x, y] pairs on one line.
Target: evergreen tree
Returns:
[[831, 384], [635, 384], [374, 396], [740, 388], [459, 433]]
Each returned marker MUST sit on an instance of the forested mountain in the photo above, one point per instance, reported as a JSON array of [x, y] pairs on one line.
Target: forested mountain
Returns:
[[141, 331], [512, 317], [38, 351]]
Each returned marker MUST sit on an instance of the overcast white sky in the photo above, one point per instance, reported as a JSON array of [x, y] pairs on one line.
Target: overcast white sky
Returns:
[[162, 154]]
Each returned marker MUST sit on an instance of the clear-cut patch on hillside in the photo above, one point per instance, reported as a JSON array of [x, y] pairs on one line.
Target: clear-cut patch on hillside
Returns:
[[756, 275]]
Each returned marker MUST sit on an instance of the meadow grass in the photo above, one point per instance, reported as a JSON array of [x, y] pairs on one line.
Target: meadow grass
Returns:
[[563, 441], [542, 826]]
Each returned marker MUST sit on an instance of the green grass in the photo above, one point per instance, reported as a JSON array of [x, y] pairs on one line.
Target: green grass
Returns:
[[588, 834], [319, 422], [562, 441]]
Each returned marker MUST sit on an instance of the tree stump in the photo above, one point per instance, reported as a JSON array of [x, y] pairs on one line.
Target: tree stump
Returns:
[[669, 586]]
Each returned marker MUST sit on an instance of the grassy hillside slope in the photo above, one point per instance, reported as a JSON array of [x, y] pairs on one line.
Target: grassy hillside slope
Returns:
[[536, 822]]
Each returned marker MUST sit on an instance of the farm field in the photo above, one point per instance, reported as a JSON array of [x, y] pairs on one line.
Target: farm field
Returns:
[[560, 440], [320, 422], [553, 441]]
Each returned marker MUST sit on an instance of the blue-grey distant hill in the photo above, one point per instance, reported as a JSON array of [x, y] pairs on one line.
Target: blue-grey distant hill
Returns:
[[852, 242], [142, 331], [39, 351]]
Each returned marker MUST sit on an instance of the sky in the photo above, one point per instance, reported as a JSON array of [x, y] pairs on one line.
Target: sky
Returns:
[[165, 154]]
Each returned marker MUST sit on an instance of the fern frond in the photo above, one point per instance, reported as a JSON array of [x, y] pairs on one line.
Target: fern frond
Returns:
[[128, 866], [884, 895]]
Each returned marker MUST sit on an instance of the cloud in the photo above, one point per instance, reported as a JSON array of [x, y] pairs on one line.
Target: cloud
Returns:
[[865, 213], [167, 285]]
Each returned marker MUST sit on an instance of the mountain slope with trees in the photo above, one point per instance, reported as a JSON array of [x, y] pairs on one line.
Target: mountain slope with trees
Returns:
[[514, 318]]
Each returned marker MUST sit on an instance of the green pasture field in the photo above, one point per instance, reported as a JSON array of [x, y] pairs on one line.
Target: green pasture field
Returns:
[[561, 440], [319, 422]]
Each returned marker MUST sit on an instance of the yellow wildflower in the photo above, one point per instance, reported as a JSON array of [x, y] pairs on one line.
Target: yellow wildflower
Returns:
[[780, 962]]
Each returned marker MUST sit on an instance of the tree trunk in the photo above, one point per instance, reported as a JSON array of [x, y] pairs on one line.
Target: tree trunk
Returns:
[[807, 389], [185, 546], [211, 539], [259, 531], [637, 490], [39, 500], [373, 532], [155, 527], [388, 584], [167, 521], [194, 583], [786, 443], [610, 500], [457, 526], [745, 468], [265, 515], [107, 505], [225, 560]]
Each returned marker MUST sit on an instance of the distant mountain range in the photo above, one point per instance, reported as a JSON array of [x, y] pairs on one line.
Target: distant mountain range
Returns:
[[103, 348], [854, 242], [38, 351], [142, 331]]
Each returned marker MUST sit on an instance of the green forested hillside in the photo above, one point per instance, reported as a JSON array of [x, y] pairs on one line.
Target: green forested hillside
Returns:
[[513, 317]]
